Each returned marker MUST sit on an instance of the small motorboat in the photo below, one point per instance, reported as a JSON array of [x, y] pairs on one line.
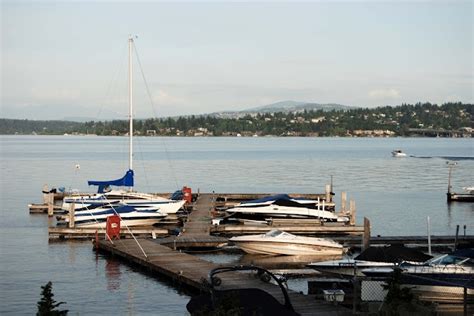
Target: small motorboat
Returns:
[[372, 257], [129, 216], [456, 269], [222, 299], [398, 153], [135, 199], [286, 207], [277, 242]]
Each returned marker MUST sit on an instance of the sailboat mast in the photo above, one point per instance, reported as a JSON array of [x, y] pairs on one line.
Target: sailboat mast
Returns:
[[130, 103]]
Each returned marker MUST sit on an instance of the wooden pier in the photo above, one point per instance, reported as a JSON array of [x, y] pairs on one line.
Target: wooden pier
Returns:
[[196, 229], [189, 271], [43, 208], [65, 233], [460, 197]]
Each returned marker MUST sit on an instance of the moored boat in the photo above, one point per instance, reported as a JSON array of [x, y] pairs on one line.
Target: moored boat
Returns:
[[128, 197], [448, 269], [284, 206], [136, 199], [129, 216], [277, 242], [372, 257]]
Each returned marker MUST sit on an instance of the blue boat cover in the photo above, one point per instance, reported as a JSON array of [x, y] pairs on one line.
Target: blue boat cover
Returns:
[[125, 181], [270, 198]]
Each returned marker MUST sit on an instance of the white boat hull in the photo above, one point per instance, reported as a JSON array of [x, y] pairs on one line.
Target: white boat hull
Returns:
[[165, 206], [123, 223], [291, 249], [285, 211], [277, 242], [347, 267]]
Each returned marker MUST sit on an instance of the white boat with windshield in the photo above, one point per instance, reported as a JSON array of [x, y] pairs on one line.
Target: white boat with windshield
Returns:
[[277, 242], [284, 206], [129, 216]]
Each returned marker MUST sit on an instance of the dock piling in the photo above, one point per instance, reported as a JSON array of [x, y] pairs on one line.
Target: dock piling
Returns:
[[343, 202], [72, 210], [45, 194], [328, 193], [352, 211], [366, 237], [50, 203]]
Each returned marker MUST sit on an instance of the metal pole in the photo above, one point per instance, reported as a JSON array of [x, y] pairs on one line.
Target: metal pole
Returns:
[[429, 234], [130, 102], [456, 239]]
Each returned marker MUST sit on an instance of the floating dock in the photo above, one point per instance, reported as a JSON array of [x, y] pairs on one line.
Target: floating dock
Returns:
[[64, 233], [460, 197], [189, 271]]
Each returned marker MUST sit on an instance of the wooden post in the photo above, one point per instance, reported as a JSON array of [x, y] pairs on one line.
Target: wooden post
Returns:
[[366, 243], [45, 194], [328, 193], [50, 204], [343, 201], [352, 212], [456, 238], [72, 211]]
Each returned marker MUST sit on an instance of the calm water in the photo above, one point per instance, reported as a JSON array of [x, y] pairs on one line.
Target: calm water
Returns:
[[396, 194]]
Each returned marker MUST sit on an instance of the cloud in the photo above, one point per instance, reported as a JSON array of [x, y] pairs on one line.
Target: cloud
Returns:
[[164, 98], [390, 93]]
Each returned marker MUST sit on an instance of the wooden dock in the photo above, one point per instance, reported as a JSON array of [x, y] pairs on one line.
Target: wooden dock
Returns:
[[63, 233], [460, 197], [196, 229], [189, 271], [43, 208]]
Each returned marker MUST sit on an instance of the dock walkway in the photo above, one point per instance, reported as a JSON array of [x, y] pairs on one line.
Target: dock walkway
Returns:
[[196, 229], [190, 270]]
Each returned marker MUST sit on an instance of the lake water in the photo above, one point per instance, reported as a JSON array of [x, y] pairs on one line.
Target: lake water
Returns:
[[396, 194]]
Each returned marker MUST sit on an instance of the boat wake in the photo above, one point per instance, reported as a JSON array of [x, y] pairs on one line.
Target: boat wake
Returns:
[[453, 158]]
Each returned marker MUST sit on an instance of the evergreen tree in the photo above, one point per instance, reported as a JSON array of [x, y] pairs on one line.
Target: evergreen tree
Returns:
[[47, 304]]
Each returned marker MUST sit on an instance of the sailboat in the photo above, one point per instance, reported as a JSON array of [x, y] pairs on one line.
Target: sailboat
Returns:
[[111, 200]]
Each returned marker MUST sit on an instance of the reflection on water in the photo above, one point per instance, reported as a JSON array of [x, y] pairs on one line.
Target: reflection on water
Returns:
[[283, 262], [113, 274], [264, 261], [397, 195]]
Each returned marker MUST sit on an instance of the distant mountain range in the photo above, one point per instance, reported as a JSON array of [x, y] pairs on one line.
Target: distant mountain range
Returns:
[[285, 107], [76, 113]]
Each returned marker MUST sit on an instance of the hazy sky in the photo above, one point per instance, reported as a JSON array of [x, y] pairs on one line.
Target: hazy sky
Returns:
[[63, 59]]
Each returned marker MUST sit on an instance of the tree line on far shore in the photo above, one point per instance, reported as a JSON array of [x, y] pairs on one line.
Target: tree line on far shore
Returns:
[[387, 120]]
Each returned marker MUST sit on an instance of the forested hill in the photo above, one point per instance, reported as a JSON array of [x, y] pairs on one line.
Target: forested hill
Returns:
[[382, 121]]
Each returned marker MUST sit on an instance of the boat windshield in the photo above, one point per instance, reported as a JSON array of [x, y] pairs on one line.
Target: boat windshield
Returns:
[[447, 259], [274, 233]]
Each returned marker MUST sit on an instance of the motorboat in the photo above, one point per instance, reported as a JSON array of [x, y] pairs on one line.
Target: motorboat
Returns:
[[230, 299], [398, 153], [455, 269], [469, 190], [284, 206], [347, 267], [273, 198], [277, 242], [129, 197], [129, 216], [372, 257], [136, 199]]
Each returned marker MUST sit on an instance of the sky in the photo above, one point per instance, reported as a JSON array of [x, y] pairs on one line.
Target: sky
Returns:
[[69, 59]]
